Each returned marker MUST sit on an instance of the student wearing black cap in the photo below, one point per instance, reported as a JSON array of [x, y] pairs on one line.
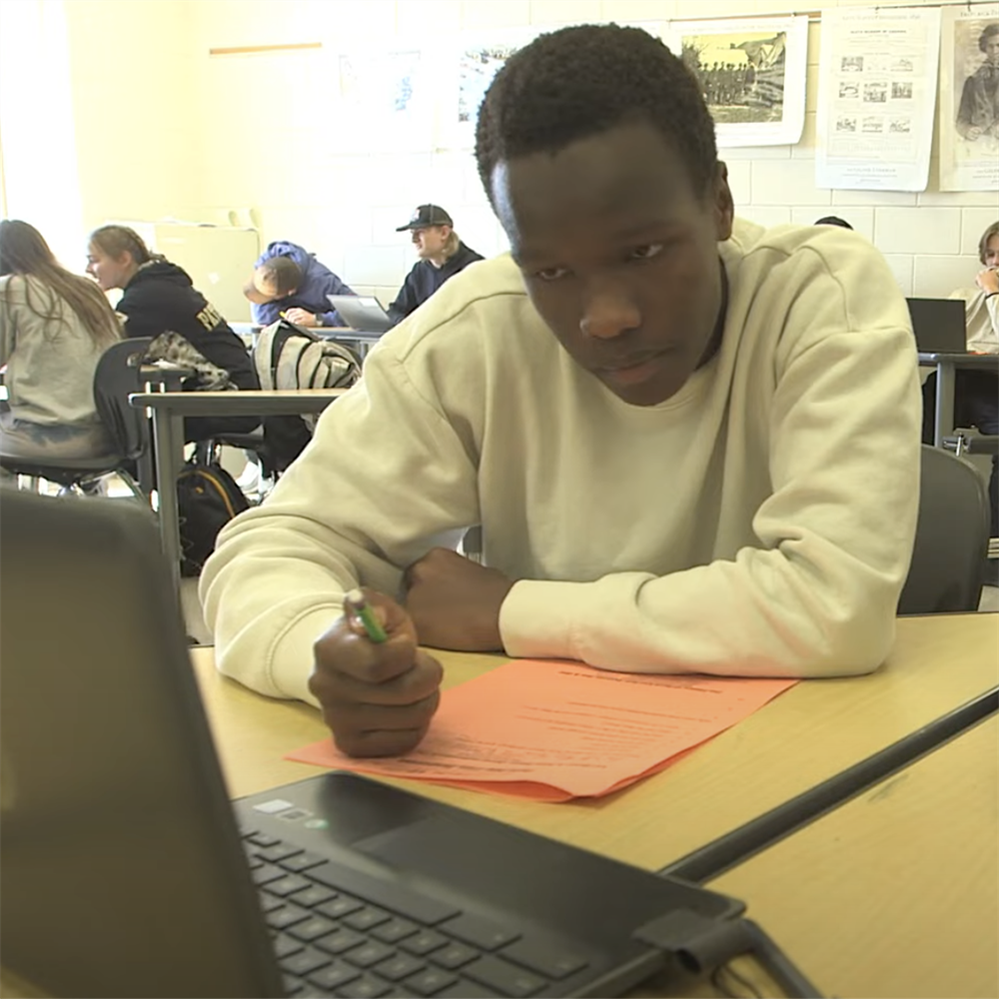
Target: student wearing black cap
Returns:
[[442, 254]]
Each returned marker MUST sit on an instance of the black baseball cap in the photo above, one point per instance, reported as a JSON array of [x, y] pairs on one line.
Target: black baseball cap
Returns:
[[426, 215]]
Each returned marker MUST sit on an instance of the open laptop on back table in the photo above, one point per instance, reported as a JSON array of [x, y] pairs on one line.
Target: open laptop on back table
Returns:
[[363, 313], [938, 325], [126, 871]]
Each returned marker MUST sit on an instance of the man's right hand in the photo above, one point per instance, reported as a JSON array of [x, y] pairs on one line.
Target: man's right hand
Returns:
[[377, 698]]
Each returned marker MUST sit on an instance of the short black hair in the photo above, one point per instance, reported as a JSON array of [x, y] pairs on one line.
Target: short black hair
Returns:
[[582, 80], [833, 220], [990, 30]]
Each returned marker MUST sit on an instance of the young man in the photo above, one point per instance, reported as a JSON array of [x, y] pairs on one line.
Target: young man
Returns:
[[288, 279], [442, 254], [691, 449]]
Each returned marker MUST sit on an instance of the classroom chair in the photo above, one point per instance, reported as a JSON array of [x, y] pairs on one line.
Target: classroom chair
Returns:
[[117, 375], [952, 538]]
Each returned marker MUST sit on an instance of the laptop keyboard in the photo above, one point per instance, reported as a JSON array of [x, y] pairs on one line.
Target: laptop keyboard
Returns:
[[339, 932]]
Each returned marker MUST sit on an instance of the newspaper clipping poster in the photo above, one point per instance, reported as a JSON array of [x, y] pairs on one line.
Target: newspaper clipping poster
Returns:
[[969, 99], [878, 73], [752, 75]]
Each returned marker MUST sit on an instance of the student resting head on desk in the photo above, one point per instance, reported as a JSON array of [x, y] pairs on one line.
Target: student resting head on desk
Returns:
[[54, 326], [442, 255], [289, 281], [159, 301], [692, 444], [976, 393]]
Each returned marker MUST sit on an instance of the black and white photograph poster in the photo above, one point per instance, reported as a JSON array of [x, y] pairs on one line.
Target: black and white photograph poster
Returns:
[[877, 66], [752, 75], [969, 99]]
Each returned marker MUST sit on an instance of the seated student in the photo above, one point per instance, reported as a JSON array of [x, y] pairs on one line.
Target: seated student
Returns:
[[692, 445], [976, 393], [442, 255], [288, 280], [54, 326], [160, 301]]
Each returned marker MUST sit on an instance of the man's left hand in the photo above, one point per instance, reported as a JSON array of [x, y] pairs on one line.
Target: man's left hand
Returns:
[[454, 602], [301, 317]]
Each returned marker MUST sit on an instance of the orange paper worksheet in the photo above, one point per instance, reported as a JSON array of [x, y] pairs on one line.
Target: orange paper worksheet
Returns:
[[554, 730]]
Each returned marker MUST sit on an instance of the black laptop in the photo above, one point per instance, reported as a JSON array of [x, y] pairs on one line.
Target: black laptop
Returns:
[[126, 871], [938, 324]]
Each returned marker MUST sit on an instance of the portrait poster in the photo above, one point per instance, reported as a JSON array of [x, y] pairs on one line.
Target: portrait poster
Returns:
[[752, 75], [386, 101], [969, 99], [477, 59], [877, 90]]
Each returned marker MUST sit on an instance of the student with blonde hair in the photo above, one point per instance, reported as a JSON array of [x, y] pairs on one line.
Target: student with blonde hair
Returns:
[[160, 301], [442, 255], [54, 326]]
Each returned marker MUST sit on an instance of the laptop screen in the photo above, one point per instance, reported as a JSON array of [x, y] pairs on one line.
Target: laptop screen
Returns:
[[118, 848], [938, 324]]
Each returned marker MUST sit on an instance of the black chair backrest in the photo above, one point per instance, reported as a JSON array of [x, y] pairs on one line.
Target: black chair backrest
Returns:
[[952, 538], [118, 374]]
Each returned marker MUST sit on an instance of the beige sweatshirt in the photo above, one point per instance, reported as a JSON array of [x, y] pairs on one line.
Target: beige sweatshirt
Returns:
[[758, 523], [981, 319], [50, 366]]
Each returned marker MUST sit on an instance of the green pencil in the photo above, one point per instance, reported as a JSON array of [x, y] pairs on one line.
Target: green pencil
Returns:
[[355, 603]]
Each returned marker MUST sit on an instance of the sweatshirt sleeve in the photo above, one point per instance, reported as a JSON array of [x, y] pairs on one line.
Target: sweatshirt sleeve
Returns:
[[142, 317], [405, 301], [266, 313], [6, 323], [818, 595], [276, 579]]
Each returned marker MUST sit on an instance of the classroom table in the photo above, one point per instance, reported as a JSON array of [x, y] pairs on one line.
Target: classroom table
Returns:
[[896, 893], [812, 731], [947, 365], [169, 410], [804, 737]]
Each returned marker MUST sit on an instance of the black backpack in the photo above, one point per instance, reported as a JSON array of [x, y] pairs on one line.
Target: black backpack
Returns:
[[287, 356], [207, 499]]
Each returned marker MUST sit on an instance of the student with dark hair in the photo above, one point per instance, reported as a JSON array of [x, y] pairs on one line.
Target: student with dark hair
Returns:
[[54, 326], [288, 280], [160, 301], [692, 445], [442, 255]]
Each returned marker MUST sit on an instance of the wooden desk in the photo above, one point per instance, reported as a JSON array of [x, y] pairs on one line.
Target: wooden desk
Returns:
[[804, 737], [169, 410], [947, 365], [896, 893], [807, 734]]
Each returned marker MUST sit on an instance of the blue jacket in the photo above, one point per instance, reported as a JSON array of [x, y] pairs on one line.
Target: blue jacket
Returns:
[[318, 281]]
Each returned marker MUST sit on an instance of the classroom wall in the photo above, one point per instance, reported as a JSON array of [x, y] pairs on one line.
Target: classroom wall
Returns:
[[164, 128], [137, 108]]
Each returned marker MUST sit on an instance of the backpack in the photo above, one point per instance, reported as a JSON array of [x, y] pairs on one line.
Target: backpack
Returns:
[[207, 499], [287, 356]]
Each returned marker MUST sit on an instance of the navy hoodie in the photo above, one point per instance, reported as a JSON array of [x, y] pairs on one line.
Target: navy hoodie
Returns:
[[424, 279], [161, 298], [318, 281]]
